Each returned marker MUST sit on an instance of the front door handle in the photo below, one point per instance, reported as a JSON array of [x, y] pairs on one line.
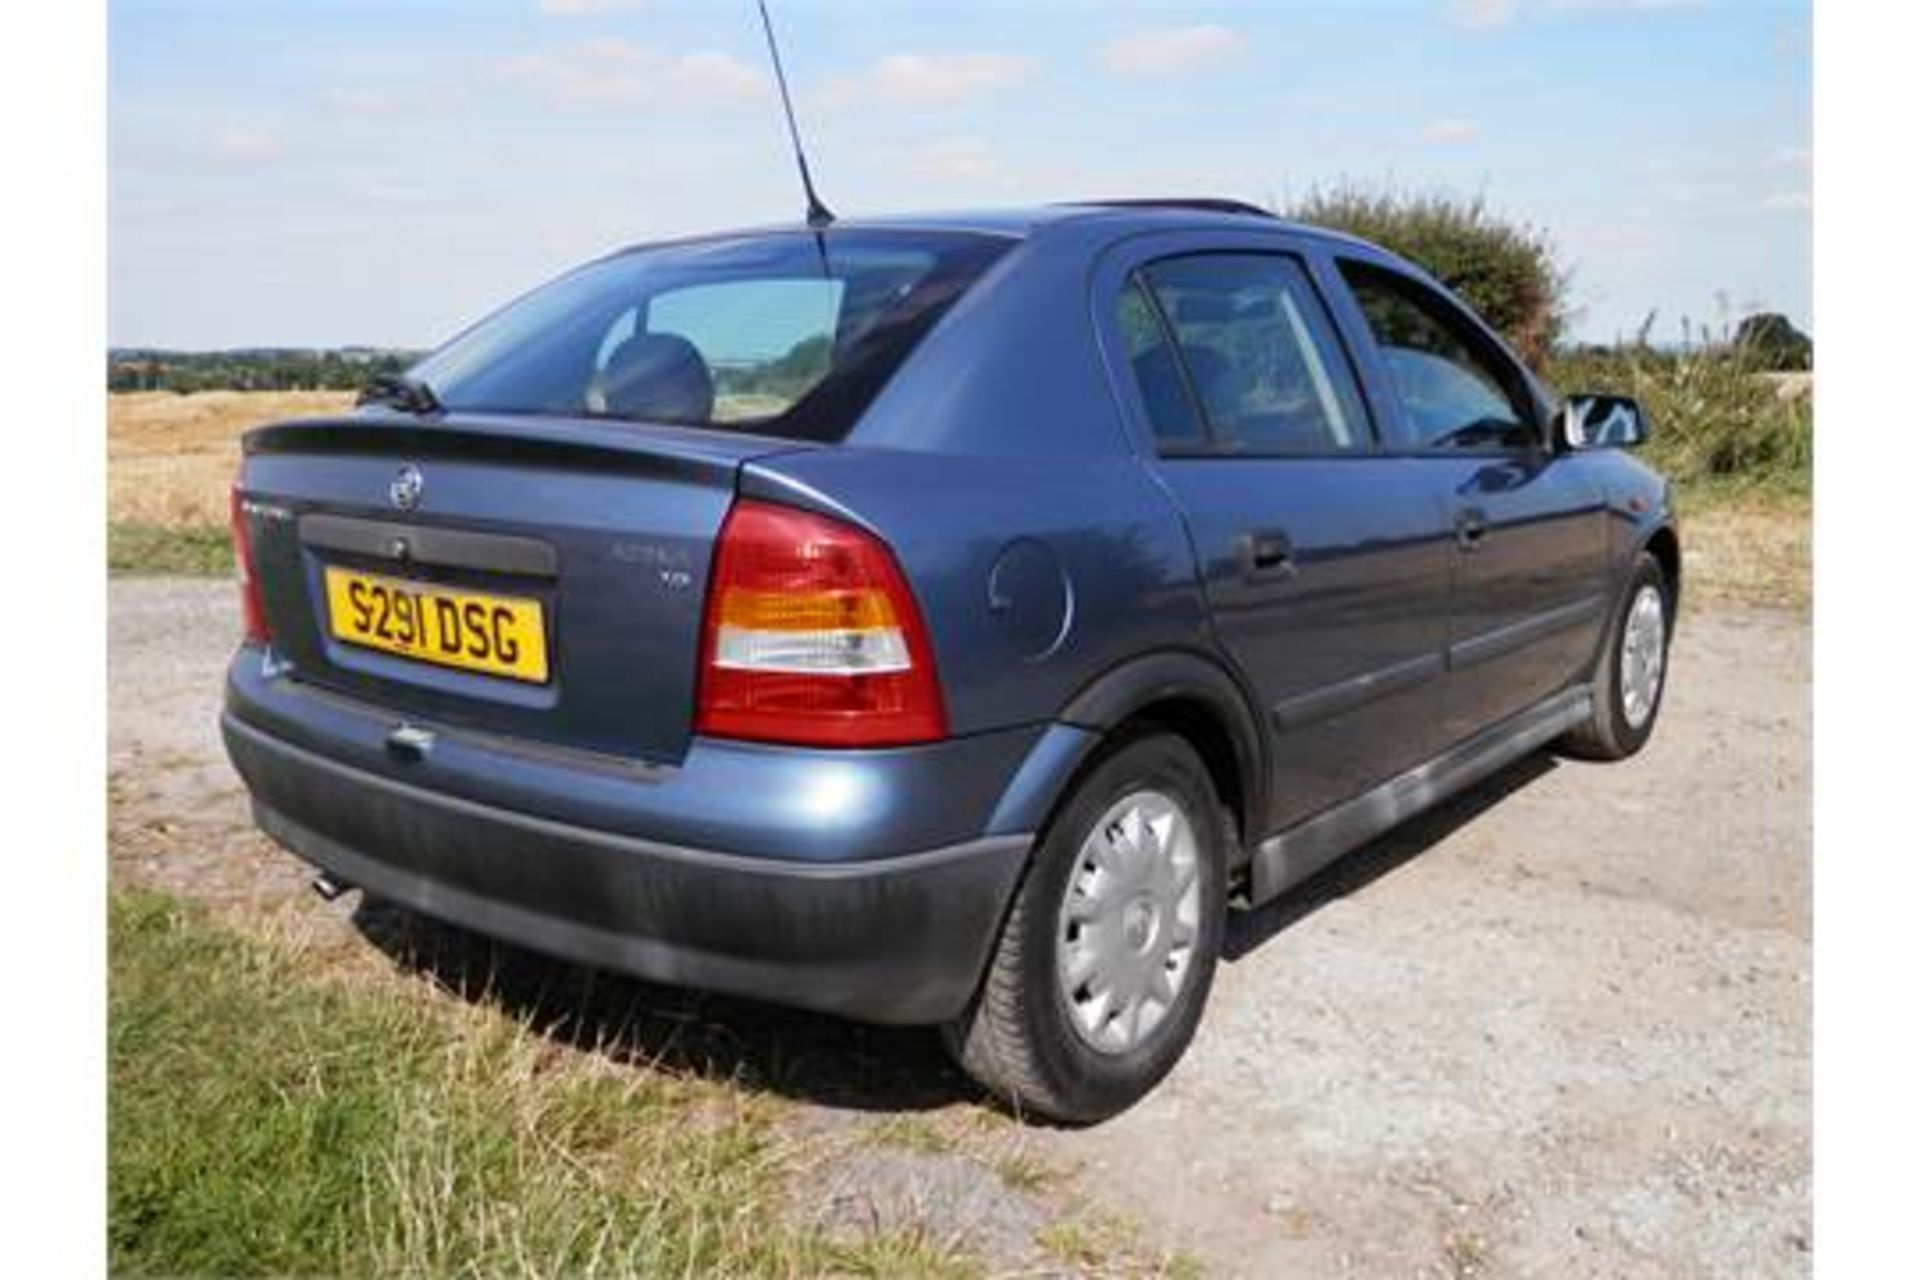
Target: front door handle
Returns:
[[1470, 528], [1266, 554]]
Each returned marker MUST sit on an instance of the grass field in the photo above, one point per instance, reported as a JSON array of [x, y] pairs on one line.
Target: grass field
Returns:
[[270, 1119], [1746, 547], [198, 550], [170, 459]]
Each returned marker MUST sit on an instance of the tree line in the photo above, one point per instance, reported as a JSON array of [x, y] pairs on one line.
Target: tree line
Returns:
[[1510, 273], [275, 369]]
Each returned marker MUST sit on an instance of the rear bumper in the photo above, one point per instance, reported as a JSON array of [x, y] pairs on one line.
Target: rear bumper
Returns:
[[897, 940]]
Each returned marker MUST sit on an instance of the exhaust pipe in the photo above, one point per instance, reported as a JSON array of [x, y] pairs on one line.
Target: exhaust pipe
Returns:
[[329, 886]]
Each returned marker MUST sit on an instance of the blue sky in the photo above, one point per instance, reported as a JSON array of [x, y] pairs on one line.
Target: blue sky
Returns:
[[289, 173]]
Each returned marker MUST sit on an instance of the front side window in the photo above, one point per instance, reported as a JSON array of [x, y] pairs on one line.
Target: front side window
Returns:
[[784, 334], [1452, 394], [1253, 366]]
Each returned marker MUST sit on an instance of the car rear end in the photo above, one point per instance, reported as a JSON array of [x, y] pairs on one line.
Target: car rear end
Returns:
[[533, 663]]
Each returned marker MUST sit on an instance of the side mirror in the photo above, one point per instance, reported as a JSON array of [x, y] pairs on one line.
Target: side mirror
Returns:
[[1600, 422]]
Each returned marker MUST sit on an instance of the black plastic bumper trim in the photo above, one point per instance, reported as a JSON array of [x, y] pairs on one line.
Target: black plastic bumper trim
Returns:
[[895, 940]]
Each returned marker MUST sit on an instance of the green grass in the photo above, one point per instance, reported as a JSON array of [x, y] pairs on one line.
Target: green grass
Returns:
[[268, 1119], [204, 550], [1740, 455], [1101, 1245], [1721, 430]]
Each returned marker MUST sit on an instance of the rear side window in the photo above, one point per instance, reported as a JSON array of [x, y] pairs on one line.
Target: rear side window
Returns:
[[1454, 393], [783, 334], [1242, 358]]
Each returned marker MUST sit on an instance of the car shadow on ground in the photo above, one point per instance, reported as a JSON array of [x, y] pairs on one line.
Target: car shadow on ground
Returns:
[[1247, 930], [805, 1056]]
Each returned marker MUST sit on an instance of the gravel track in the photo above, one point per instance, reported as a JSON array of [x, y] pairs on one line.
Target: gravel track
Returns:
[[1561, 1026]]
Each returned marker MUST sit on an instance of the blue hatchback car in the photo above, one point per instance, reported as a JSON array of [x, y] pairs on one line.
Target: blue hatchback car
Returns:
[[939, 620]]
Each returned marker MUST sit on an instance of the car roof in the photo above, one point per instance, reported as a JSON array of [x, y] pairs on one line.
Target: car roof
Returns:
[[1113, 218], [1120, 216]]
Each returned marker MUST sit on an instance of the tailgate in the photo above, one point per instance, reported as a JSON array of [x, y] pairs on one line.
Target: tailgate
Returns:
[[575, 551]]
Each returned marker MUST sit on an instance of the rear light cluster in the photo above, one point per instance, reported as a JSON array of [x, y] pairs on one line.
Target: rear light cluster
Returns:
[[250, 607], [812, 637]]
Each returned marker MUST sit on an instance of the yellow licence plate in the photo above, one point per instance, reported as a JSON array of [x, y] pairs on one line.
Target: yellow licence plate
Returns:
[[498, 635]]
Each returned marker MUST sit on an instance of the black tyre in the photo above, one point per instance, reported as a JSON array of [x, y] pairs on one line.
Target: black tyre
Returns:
[[1108, 952], [1631, 675]]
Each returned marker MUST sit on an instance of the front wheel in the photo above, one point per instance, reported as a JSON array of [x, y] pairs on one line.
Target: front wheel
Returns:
[[1632, 672], [1108, 952]]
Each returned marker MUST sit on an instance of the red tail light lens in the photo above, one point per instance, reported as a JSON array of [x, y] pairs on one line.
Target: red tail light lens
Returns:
[[812, 637], [250, 607]]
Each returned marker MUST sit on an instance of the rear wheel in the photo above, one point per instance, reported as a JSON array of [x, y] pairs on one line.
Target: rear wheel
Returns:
[[1632, 672], [1107, 955]]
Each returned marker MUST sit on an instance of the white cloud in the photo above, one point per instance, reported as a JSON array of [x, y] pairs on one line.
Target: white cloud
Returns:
[[1481, 15], [369, 102], [1793, 40], [919, 79], [1794, 158], [967, 159], [392, 193], [245, 144], [1637, 6], [1486, 15], [1450, 130], [1166, 51], [1789, 201], [1696, 193], [614, 70], [583, 8], [719, 74], [928, 79]]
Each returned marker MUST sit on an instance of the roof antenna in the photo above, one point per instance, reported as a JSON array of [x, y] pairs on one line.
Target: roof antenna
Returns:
[[818, 215]]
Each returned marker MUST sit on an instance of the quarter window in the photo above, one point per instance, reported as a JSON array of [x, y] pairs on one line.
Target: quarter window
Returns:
[[1176, 423], [1453, 396], [1253, 366]]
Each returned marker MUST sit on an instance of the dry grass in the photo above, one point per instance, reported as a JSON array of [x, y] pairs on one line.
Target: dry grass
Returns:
[[171, 457], [1751, 550]]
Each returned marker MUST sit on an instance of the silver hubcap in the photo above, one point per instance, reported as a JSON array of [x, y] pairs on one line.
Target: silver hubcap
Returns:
[[1643, 655], [1129, 921]]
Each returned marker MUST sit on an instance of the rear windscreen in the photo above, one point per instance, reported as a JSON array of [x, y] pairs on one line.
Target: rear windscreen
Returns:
[[787, 334]]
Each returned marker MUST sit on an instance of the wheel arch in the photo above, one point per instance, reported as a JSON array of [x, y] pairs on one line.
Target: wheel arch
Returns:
[[1663, 544], [1193, 696]]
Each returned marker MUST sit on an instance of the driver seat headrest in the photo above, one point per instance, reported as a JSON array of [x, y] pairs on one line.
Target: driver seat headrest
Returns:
[[654, 375]]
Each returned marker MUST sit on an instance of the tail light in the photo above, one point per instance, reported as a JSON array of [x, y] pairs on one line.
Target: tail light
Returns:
[[812, 637], [250, 607]]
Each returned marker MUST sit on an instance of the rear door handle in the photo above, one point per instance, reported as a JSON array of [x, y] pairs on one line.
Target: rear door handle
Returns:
[[1470, 528], [1265, 554]]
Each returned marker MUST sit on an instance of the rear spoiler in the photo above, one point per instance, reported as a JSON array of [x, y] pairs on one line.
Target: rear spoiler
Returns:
[[596, 443]]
